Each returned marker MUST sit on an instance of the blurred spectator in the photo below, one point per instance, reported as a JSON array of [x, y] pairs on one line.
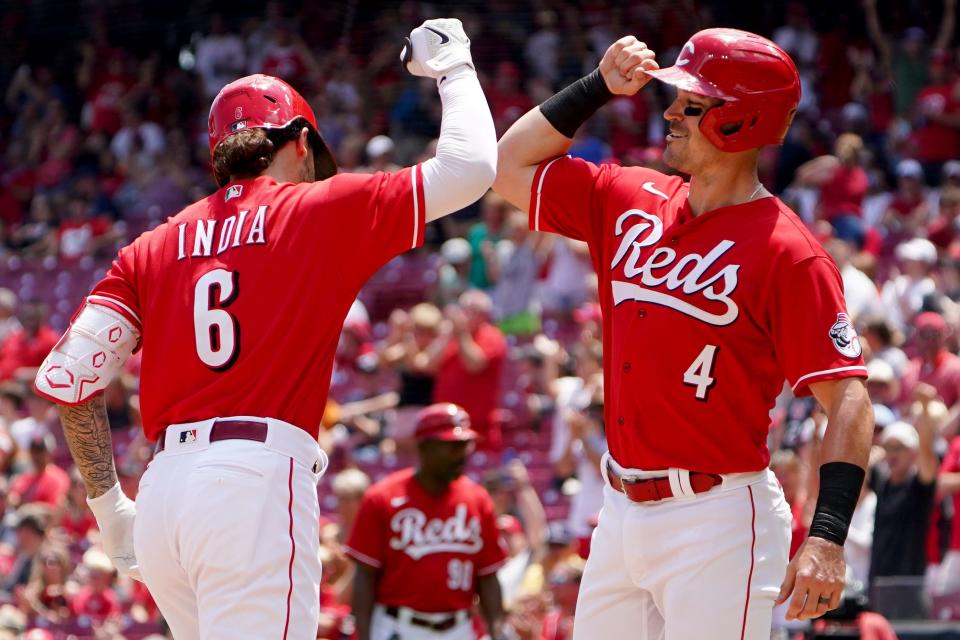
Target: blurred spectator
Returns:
[[454, 271], [508, 101], [40, 415], [348, 487], [96, 598], [44, 482], [791, 473], [841, 181], [883, 342], [8, 313], [220, 57], [859, 291], [566, 286], [908, 58], [936, 135], [520, 256], [81, 233], [904, 483], [379, 151], [904, 295], [541, 50], [73, 516], [31, 534], [859, 544], [468, 357], [944, 229], [883, 384], [45, 594], [406, 349], [483, 238], [934, 365], [24, 349], [909, 209]]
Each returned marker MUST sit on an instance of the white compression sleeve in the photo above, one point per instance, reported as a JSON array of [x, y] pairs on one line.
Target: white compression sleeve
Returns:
[[466, 160]]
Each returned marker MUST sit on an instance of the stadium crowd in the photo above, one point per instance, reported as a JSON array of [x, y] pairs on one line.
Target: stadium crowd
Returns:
[[103, 135]]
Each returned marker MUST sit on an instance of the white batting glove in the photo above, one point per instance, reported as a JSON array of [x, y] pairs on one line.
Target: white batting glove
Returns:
[[436, 47], [115, 513]]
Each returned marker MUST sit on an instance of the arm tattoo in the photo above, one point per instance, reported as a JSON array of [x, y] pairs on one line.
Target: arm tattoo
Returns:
[[87, 431]]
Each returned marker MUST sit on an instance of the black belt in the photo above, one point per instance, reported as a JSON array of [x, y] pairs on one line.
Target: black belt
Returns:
[[434, 625], [223, 430]]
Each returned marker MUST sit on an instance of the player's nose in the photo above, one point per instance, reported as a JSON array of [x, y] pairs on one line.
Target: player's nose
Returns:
[[673, 113]]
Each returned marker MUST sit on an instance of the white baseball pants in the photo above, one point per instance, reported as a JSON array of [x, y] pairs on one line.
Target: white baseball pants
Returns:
[[700, 566], [227, 533], [384, 627]]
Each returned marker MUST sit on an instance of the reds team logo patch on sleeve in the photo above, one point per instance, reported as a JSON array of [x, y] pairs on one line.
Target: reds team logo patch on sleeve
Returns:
[[844, 337]]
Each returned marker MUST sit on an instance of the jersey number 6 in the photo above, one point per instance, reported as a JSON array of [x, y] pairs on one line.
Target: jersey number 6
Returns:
[[700, 373], [216, 331]]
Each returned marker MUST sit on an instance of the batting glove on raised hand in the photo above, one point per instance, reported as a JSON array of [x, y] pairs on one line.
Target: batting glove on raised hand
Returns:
[[115, 513], [436, 47]]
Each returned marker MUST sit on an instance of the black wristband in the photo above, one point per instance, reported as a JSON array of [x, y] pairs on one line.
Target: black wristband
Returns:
[[572, 106], [840, 484]]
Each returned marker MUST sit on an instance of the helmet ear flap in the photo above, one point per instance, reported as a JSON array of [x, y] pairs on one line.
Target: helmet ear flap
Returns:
[[729, 127]]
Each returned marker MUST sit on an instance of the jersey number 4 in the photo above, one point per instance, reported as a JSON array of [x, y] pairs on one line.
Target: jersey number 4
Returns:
[[700, 373], [216, 331]]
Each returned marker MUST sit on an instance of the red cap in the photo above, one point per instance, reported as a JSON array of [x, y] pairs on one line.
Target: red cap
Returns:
[[444, 421], [509, 524], [930, 320]]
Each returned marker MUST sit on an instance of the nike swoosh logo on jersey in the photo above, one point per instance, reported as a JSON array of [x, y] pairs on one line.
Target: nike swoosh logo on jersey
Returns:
[[649, 188], [398, 501], [444, 38]]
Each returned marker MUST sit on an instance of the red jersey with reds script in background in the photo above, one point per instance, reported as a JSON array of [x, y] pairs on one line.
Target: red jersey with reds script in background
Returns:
[[429, 549], [703, 316], [240, 297]]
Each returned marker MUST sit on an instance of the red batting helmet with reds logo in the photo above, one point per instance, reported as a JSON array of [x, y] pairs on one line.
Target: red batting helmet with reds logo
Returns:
[[756, 79], [264, 102], [444, 421]]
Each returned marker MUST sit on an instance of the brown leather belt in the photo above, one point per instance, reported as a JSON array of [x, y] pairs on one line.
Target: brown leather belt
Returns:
[[439, 625], [653, 489], [222, 430]]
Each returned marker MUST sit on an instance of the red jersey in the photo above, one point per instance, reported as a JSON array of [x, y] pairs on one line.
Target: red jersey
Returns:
[[477, 392], [241, 296], [429, 549], [49, 486], [704, 317]]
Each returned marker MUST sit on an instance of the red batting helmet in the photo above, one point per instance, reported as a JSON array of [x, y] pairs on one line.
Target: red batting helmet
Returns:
[[444, 421], [756, 80], [265, 102]]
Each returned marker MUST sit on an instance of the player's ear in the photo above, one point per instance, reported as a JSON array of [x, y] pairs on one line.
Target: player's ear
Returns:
[[303, 143]]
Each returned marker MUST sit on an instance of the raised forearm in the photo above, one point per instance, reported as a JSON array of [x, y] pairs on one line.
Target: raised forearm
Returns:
[[473, 358], [491, 603], [87, 431]]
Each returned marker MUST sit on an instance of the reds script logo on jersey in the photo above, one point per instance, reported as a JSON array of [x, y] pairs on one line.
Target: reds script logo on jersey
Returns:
[[691, 280], [418, 537]]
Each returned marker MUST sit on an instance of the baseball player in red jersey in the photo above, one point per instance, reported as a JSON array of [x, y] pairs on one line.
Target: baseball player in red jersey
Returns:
[[713, 293], [237, 303], [426, 541]]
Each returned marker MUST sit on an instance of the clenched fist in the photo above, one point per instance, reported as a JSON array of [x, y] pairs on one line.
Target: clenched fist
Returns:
[[623, 66]]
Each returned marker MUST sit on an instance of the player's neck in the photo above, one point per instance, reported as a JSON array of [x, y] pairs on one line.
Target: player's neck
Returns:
[[727, 185], [433, 486]]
